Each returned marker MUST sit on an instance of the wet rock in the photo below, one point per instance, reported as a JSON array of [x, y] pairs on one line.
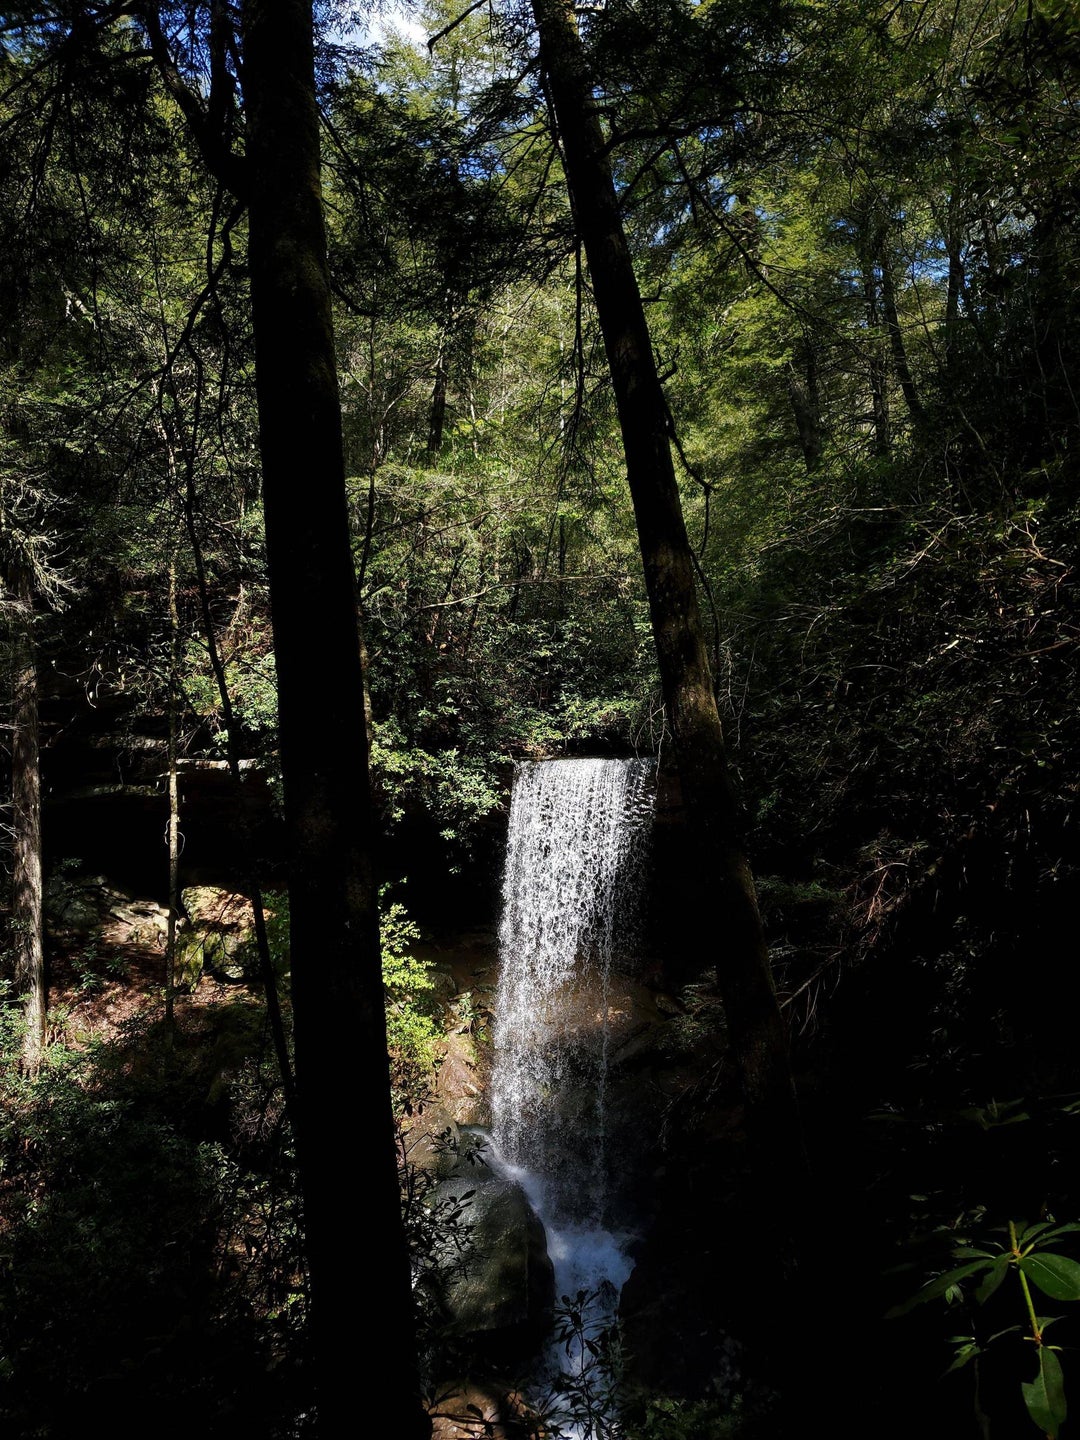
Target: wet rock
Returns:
[[499, 1286], [460, 1085]]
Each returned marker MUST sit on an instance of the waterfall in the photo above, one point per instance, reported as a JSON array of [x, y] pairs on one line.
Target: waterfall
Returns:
[[578, 838]]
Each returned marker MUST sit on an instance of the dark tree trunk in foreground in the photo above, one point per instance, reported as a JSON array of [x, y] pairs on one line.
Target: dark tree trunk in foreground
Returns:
[[360, 1285], [757, 1033], [26, 822]]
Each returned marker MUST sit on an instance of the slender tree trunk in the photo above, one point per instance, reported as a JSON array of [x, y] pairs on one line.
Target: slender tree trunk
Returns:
[[174, 802], [879, 399], [954, 244], [806, 408], [437, 415], [251, 885], [366, 1383], [26, 818], [757, 1034], [896, 336]]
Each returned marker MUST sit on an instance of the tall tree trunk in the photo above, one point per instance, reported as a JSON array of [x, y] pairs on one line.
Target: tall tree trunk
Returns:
[[174, 802], [339, 1018], [437, 414], [757, 1033], [806, 407], [896, 335], [879, 399], [26, 820], [954, 244]]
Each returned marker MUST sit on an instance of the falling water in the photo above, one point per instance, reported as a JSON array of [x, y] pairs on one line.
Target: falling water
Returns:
[[578, 838]]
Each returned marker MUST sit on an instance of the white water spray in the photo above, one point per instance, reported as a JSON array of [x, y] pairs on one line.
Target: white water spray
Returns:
[[578, 838]]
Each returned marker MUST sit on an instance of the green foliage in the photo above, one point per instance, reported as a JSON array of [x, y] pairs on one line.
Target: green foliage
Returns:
[[587, 1398], [856, 227], [1025, 1253], [457, 789], [668, 1418], [251, 678], [94, 968], [149, 1230], [411, 1029], [583, 1398], [412, 1025], [493, 630]]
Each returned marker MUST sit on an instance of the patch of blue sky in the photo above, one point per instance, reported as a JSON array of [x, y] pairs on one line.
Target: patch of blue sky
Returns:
[[377, 24]]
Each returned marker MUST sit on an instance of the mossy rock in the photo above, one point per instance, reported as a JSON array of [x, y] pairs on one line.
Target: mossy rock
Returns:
[[188, 960]]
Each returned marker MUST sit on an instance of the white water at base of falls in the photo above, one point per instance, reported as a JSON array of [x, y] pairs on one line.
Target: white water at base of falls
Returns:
[[585, 1257], [588, 1260], [578, 837]]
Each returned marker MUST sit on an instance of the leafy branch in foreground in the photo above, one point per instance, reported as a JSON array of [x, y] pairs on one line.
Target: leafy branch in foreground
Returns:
[[985, 1265]]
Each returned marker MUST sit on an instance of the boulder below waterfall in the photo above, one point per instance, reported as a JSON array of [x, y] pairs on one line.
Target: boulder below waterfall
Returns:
[[499, 1285]]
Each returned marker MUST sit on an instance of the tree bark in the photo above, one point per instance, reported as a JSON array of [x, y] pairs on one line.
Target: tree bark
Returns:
[[437, 414], [174, 804], [806, 408], [879, 398], [954, 245], [339, 1019], [757, 1033], [26, 819], [896, 335]]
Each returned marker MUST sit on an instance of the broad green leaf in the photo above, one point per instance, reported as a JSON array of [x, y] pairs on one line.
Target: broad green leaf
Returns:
[[1055, 1275], [1071, 1228], [1045, 1395], [986, 1287], [1026, 1233], [937, 1288], [966, 1252]]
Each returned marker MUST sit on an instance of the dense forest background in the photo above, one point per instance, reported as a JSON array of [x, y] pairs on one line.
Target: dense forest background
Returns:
[[854, 226]]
